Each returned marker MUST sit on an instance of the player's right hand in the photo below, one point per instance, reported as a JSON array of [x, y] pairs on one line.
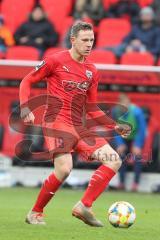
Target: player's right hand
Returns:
[[123, 129], [29, 118]]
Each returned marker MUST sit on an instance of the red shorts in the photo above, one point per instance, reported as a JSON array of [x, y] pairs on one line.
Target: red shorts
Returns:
[[63, 138]]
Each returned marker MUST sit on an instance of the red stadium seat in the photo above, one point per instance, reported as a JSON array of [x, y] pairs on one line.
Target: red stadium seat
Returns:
[[53, 50], [57, 11], [10, 136], [15, 12], [136, 58], [101, 56], [112, 31], [107, 3], [11, 139], [2, 55], [144, 3], [66, 24], [158, 63], [23, 53]]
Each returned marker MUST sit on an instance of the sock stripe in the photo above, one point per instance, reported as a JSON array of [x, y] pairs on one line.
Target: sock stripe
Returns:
[[97, 184], [93, 179], [52, 193], [98, 175], [49, 187], [99, 171]]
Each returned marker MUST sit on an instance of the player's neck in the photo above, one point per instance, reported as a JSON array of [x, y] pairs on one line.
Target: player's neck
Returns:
[[77, 57]]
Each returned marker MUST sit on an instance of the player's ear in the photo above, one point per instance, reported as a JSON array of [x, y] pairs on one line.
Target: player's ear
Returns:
[[72, 39]]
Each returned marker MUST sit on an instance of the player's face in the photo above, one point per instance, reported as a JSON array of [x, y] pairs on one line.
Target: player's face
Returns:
[[83, 42]]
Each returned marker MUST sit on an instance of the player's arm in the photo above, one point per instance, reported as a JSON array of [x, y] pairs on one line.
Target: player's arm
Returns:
[[39, 73], [99, 116]]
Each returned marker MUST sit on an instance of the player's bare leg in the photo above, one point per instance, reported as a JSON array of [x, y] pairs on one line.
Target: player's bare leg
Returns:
[[63, 166], [99, 181]]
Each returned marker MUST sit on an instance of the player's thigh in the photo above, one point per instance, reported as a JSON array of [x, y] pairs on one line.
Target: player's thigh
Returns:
[[58, 140], [87, 145], [108, 156]]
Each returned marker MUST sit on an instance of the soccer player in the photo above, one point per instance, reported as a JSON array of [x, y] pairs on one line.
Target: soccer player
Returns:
[[72, 87]]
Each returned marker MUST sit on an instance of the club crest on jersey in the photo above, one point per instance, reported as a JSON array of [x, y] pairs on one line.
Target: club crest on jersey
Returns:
[[89, 74], [41, 64]]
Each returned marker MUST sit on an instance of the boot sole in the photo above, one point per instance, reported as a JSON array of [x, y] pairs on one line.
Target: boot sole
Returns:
[[27, 221], [79, 216]]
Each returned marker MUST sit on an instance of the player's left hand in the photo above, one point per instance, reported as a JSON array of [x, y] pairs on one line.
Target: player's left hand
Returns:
[[123, 129]]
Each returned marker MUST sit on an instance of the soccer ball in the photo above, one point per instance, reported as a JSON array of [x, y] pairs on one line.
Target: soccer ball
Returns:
[[121, 214]]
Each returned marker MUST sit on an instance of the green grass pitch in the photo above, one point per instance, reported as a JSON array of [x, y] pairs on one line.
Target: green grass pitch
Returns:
[[15, 203]]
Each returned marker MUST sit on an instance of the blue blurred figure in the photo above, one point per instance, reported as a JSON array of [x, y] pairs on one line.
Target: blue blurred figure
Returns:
[[130, 149]]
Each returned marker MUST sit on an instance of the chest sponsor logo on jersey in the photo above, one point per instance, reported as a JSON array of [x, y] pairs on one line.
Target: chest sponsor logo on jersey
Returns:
[[89, 74], [41, 64], [70, 85]]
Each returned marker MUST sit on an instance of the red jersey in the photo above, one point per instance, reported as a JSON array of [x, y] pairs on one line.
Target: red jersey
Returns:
[[71, 84]]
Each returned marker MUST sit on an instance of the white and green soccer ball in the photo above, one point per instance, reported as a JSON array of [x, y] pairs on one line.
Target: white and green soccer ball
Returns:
[[121, 214]]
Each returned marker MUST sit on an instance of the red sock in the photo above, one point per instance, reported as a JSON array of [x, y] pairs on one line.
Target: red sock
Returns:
[[50, 186], [97, 184]]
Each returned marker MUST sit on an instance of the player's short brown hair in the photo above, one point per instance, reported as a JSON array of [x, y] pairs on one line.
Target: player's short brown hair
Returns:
[[78, 26]]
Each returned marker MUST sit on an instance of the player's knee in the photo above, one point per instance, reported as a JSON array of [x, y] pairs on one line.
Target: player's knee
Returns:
[[112, 160], [65, 170], [62, 172], [117, 163]]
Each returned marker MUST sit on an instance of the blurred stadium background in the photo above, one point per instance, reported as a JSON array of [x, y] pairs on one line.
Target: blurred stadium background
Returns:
[[136, 73]]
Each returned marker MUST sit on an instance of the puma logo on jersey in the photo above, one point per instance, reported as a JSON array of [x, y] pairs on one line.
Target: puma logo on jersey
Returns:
[[65, 68]]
